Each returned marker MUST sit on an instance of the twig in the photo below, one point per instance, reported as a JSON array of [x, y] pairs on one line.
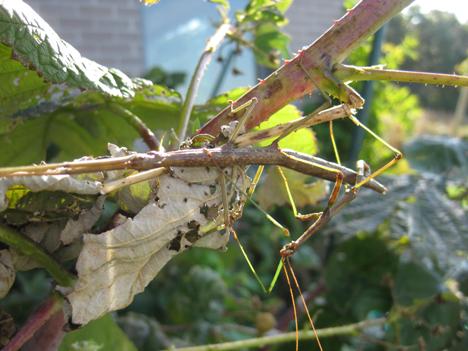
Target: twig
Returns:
[[131, 179], [147, 135], [336, 112], [29, 248], [38, 319], [286, 337], [197, 76], [354, 73], [215, 157]]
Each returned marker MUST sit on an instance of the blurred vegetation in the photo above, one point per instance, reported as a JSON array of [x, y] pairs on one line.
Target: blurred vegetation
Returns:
[[403, 256], [442, 44], [169, 79]]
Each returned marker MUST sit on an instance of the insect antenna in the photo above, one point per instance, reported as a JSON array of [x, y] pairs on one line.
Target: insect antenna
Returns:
[[289, 266], [293, 302]]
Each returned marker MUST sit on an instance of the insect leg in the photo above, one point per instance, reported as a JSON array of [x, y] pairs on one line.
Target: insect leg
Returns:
[[323, 218], [398, 155], [350, 194], [249, 107]]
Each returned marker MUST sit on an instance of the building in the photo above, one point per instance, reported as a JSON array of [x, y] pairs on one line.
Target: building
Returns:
[[126, 35]]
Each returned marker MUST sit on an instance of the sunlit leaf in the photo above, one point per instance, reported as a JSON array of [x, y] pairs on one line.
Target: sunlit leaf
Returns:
[[302, 140], [303, 190], [272, 45]]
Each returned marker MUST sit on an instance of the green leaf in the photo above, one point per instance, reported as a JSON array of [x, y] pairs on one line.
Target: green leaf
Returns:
[[263, 19], [303, 191], [100, 335], [36, 45], [271, 45], [19, 87], [302, 140], [413, 282], [355, 281], [369, 209], [224, 3], [433, 228], [85, 127], [437, 228], [450, 155], [54, 101]]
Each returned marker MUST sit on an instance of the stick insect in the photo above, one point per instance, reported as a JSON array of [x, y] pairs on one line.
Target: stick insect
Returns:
[[333, 204], [235, 149]]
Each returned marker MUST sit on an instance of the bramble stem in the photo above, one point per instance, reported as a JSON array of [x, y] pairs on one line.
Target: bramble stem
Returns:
[[147, 135], [35, 322], [286, 337], [290, 82], [197, 76], [215, 157], [354, 73], [29, 248]]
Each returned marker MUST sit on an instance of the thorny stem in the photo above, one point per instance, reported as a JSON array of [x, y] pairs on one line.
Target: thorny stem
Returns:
[[354, 73], [197, 76], [36, 321], [215, 157], [290, 82], [286, 337], [146, 134], [29, 248]]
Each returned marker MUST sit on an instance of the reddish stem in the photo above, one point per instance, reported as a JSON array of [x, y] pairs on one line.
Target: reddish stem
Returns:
[[48, 310], [290, 82]]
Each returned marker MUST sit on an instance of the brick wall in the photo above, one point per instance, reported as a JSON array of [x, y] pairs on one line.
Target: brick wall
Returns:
[[110, 31], [308, 19], [107, 31]]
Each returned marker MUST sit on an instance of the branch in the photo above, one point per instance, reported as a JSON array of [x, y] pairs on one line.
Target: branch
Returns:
[[290, 82], [286, 337], [203, 62], [216, 157], [354, 73], [29, 248], [35, 322], [147, 135]]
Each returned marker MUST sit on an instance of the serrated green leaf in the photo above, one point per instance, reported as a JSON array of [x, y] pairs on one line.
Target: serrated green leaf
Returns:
[[100, 335], [434, 229], [438, 155], [58, 98], [437, 227], [36, 45], [369, 209]]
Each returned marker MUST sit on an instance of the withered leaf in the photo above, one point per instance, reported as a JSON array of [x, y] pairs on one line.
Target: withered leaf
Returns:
[[117, 264]]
